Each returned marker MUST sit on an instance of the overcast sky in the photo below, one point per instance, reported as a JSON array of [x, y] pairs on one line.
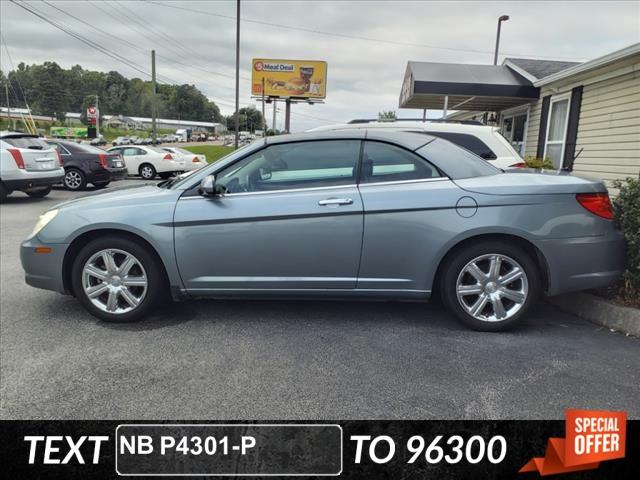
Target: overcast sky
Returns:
[[364, 75]]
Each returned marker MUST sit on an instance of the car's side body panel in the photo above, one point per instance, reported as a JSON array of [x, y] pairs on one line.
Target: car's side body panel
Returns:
[[269, 240]]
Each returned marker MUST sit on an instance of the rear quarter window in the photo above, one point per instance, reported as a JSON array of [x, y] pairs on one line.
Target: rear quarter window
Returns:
[[456, 162], [470, 142]]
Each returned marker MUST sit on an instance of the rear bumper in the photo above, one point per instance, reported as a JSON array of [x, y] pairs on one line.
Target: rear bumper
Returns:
[[107, 175], [28, 180], [583, 263], [43, 270]]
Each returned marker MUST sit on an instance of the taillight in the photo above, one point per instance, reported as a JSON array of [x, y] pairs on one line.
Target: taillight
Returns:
[[518, 165], [17, 157], [103, 160], [60, 160], [195, 160], [168, 157], [597, 203]]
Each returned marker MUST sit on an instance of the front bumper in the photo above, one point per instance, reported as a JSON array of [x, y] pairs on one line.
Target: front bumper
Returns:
[[583, 263], [43, 270]]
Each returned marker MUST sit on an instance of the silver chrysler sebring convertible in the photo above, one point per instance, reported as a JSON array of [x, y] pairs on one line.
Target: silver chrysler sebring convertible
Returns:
[[345, 214]]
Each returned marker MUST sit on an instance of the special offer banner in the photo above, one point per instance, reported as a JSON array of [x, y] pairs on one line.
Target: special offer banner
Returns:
[[588, 444]]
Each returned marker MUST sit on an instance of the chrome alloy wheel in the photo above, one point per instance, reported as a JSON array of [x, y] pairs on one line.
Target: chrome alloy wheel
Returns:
[[146, 172], [492, 287], [114, 281], [72, 180]]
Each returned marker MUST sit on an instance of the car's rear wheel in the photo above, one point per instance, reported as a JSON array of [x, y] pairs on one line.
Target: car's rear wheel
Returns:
[[39, 192], [4, 191], [490, 285], [74, 179], [147, 171], [117, 280], [100, 184]]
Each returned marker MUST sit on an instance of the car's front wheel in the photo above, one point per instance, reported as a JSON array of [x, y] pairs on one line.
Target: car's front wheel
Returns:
[[117, 280], [490, 285]]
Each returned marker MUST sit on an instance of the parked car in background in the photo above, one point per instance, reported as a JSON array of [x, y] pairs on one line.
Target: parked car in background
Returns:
[[99, 141], [27, 164], [148, 161], [85, 164], [485, 141], [134, 140], [192, 161], [353, 214], [121, 141]]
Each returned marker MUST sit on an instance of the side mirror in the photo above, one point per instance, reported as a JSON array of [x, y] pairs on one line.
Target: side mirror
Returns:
[[208, 187]]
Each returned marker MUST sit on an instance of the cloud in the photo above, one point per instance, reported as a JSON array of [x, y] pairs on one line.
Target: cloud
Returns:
[[364, 76]]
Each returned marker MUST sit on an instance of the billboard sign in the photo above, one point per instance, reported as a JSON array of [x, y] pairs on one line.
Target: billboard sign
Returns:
[[289, 78], [73, 132]]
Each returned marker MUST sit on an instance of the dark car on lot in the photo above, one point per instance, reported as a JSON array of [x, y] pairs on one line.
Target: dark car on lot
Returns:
[[85, 164]]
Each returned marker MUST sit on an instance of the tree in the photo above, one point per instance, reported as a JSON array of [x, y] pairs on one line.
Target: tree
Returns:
[[250, 120], [50, 89]]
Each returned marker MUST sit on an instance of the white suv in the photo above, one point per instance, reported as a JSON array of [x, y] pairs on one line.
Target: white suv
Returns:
[[486, 142], [28, 164]]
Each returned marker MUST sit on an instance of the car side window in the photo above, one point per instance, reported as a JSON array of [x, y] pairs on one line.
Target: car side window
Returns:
[[127, 152], [470, 142], [382, 162], [286, 166], [61, 150]]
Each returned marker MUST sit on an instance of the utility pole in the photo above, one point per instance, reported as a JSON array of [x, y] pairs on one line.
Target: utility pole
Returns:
[[154, 113], [264, 119], [97, 119], [503, 18], [237, 73], [6, 90]]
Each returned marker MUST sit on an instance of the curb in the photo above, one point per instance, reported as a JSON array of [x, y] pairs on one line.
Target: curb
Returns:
[[600, 311]]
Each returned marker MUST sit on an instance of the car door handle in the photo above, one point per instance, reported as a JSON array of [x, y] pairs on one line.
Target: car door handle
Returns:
[[335, 202]]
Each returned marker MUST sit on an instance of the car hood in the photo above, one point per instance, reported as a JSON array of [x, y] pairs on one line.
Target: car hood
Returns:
[[531, 182], [121, 196]]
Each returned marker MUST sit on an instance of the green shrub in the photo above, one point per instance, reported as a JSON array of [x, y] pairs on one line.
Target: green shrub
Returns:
[[626, 207], [533, 162]]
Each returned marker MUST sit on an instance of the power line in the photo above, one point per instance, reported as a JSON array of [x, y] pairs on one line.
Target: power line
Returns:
[[352, 37], [79, 37]]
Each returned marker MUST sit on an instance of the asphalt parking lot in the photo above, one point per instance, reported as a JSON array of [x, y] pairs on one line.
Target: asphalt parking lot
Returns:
[[292, 360]]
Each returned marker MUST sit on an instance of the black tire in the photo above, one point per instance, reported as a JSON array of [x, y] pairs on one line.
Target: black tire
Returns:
[[156, 280], [4, 191], [39, 193], [455, 265], [99, 185], [147, 171], [166, 175], [74, 180]]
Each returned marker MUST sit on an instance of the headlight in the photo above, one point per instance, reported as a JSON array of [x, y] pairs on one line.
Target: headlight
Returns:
[[44, 219]]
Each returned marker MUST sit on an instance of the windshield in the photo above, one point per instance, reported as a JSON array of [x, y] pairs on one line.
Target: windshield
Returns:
[[26, 141]]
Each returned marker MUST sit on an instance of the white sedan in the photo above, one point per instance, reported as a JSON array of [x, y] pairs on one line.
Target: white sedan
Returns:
[[149, 161], [192, 161]]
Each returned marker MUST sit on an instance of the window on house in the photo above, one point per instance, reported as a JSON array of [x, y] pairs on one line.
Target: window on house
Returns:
[[556, 131]]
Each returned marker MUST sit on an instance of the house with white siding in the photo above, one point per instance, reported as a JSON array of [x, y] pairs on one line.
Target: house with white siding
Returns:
[[584, 117]]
